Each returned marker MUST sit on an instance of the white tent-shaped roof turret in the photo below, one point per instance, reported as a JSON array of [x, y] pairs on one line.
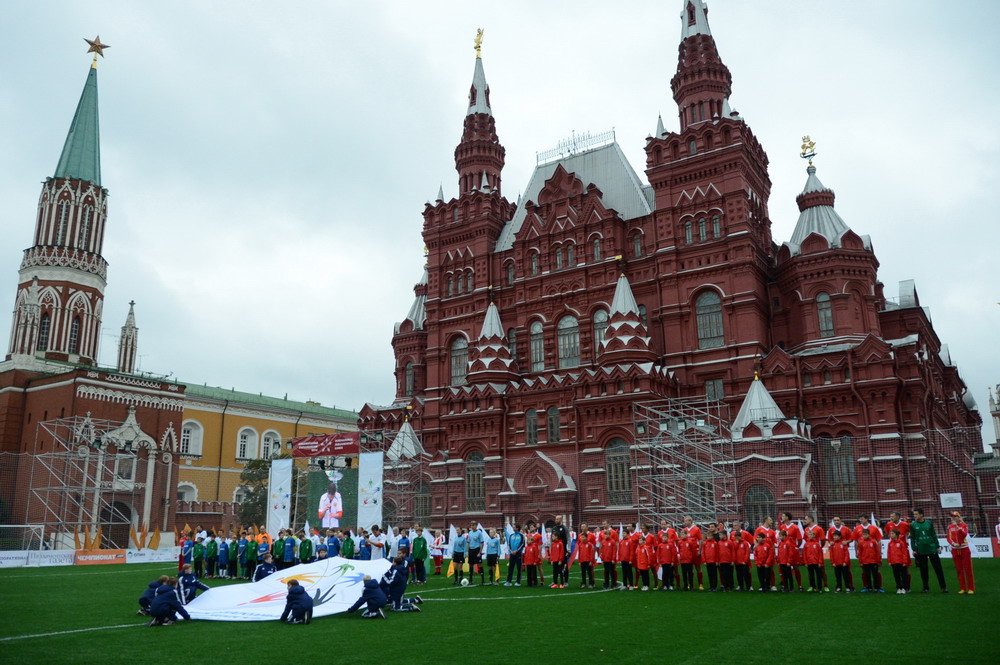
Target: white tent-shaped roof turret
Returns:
[[490, 360], [406, 445], [625, 338], [818, 216], [761, 417], [417, 315]]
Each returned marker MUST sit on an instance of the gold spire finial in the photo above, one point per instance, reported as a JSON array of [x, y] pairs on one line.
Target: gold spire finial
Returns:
[[808, 149], [97, 48], [756, 375], [479, 43]]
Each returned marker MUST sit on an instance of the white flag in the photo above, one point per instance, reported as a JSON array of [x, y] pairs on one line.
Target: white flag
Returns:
[[279, 492]]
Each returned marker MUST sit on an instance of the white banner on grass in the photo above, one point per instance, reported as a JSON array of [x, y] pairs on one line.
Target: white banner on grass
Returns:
[[369, 489], [162, 555], [279, 492], [334, 584]]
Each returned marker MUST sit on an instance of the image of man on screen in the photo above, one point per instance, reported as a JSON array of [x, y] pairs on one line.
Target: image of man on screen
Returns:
[[331, 507]]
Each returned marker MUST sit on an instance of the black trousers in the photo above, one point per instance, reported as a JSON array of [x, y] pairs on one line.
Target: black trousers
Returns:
[[645, 577], [627, 574], [726, 573], [764, 577], [687, 576], [841, 576], [667, 572], [786, 577], [609, 574], [713, 575], [870, 576], [743, 579], [815, 576], [514, 564], [418, 568], [936, 562], [587, 572], [557, 572], [899, 574], [532, 575]]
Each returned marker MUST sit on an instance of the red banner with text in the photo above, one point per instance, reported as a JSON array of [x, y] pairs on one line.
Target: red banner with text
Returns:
[[326, 445]]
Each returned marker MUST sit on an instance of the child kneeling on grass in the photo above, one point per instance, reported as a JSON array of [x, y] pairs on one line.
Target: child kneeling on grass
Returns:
[[393, 585], [298, 604], [167, 605], [147, 596], [190, 585], [375, 599]]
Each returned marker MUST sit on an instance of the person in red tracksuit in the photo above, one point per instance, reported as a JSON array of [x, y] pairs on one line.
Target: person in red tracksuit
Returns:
[[795, 536], [846, 537], [533, 556], [786, 559], [876, 534], [870, 557], [645, 560], [666, 556], [840, 559], [710, 557], [766, 527], [810, 525], [557, 553], [626, 551], [763, 558], [607, 543], [687, 548], [899, 558], [961, 553], [585, 555], [741, 561], [812, 554], [694, 531], [727, 556]]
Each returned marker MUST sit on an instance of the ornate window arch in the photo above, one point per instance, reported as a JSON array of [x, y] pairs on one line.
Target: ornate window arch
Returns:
[[531, 427], [510, 273], [568, 332], [617, 468], [688, 232], [240, 494], [74, 336], [570, 254], [44, 327], [475, 489], [409, 380], [708, 310], [597, 248], [537, 341], [559, 258], [270, 444], [716, 226], [187, 491], [246, 443], [192, 437], [637, 245], [552, 425], [533, 262], [459, 360], [825, 313], [86, 221]]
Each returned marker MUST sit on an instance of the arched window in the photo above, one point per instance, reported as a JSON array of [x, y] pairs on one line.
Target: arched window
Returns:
[[688, 232], [838, 469], [469, 277], [709, 315], [192, 434], [246, 443], [692, 146], [533, 262], [475, 490], [570, 255], [597, 249], [825, 312], [600, 325], [409, 380], [459, 284], [537, 347], [459, 360], [569, 342], [187, 492], [512, 342], [758, 503], [450, 290], [617, 461], [85, 221], [74, 336], [270, 445], [552, 425], [240, 494], [702, 231], [62, 223], [644, 317], [716, 226], [559, 258], [43, 332], [637, 244], [510, 274], [531, 427]]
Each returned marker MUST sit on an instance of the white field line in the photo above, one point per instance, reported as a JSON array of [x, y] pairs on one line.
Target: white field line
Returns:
[[79, 574], [67, 632]]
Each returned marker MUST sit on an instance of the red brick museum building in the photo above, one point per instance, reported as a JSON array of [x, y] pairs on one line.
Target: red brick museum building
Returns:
[[541, 328]]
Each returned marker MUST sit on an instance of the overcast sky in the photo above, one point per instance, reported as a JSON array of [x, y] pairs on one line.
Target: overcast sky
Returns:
[[268, 163]]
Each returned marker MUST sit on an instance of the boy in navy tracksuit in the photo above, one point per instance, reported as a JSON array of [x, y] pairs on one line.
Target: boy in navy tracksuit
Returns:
[[374, 597], [147, 596], [166, 605], [264, 569], [298, 604], [393, 584], [189, 585]]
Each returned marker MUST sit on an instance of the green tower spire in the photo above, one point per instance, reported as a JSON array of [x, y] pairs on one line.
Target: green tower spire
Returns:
[[81, 154]]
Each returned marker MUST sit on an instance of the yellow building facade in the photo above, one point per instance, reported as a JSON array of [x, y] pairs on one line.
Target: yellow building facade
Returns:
[[223, 429]]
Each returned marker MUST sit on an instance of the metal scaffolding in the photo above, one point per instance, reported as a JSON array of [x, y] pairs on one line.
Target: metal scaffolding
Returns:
[[87, 479], [405, 488], [684, 461]]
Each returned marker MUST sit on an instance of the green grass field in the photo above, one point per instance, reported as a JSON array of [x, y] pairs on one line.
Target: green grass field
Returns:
[[508, 625]]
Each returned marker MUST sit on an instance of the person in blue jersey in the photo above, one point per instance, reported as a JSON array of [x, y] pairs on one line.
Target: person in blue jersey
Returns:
[[189, 585], [458, 549], [147, 596], [476, 538], [262, 548], [492, 547], [264, 568], [223, 569], [374, 597], [332, 542], [393, 584], [403, 543], [166, 605], [241, 554], [298, 604], [515, 545], [187, 551]]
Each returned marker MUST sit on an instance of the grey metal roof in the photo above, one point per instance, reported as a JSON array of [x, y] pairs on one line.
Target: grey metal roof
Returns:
[[700, 26], [605, 167], [624, 301], [418, 311], [757, 406], [821, 219], [481, 104], [492, 327]]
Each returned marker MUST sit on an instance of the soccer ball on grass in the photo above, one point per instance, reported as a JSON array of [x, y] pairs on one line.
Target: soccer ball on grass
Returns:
[[465, 581]]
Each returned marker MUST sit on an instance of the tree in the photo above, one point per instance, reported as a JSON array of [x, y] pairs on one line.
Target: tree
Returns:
[[253, 479]]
